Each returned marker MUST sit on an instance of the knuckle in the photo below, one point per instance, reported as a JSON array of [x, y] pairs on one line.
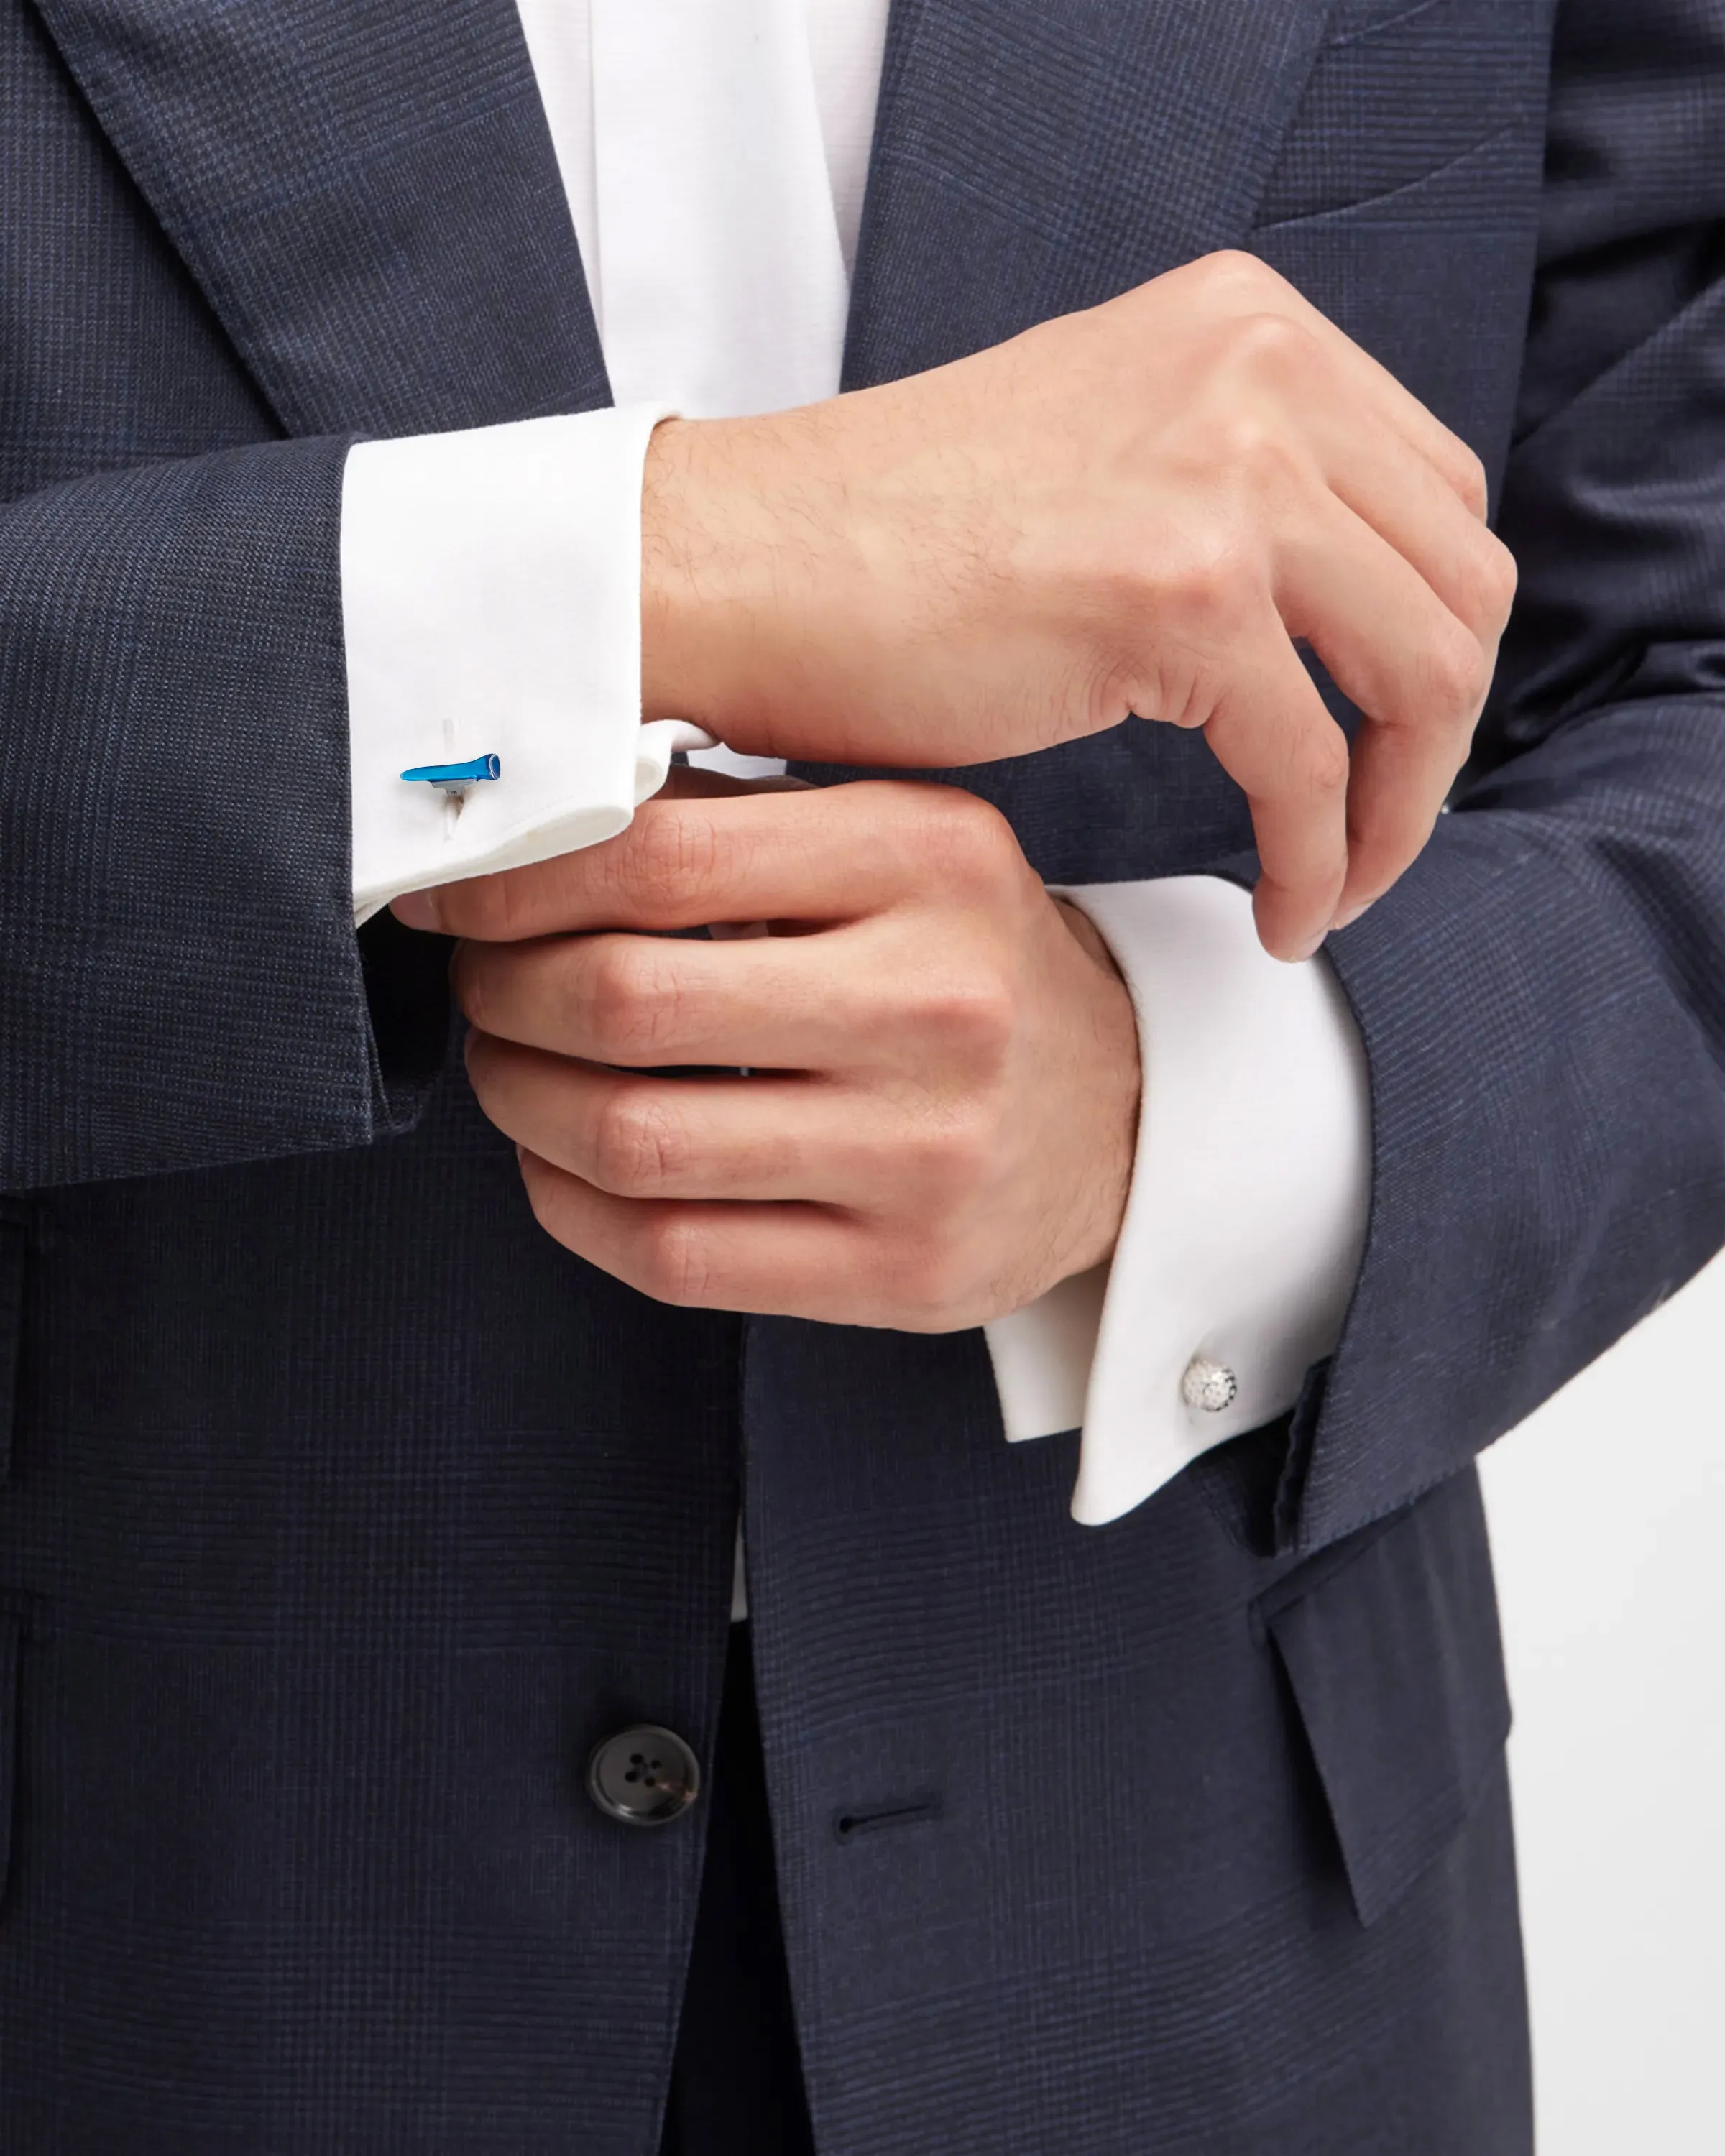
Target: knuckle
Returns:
[[472, 978], [1259, 452], [1325, 762], [960, 1159], [968, 843], [969, 1014], [1486, 587], [676, 850], [631, 1000], [612, 1000], [491, 908], [542, 1202], [676, 1264], [536, 1203], [1267, 343], [502, 901], [1231, 274], [939, 1163], [470, 910], [638, 1145], [480, 1053], [929, 1284], [1218, 581], [978, 826], [1456, 673], [1468, 474], [1501, 577]]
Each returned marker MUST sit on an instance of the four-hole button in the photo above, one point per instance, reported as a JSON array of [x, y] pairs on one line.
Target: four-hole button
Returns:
[[644, 1776]]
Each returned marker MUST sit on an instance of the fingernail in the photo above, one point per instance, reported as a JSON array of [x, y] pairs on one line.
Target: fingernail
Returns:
[[1347, 919], [416, 909]]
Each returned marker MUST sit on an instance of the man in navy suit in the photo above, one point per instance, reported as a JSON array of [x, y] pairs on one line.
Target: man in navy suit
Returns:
[[368, 1527]]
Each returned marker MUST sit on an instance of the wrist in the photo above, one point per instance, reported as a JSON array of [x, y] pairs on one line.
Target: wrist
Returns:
[[743, 531], [1114, 1101], [712, 578], [670, 674]]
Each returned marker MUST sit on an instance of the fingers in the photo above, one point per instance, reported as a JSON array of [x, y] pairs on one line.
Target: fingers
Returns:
[[1391, 811], [643, 1001], [1369, 387], [1418, 673], [1382, 562], [1409, 629], [1405, 500], [1287, 339], [827, 854], [765, 1139], [1369, 390], [790, 1261], [1272, 735], [1405, 764], [1334, 832]]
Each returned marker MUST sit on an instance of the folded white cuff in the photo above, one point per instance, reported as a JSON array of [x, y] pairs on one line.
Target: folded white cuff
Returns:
[[1246, 1218], [491, 602]]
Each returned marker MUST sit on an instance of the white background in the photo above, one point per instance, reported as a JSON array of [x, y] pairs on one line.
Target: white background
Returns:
[[1608, 1520]]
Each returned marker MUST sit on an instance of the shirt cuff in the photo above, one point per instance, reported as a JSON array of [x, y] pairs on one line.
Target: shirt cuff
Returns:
[[491, 606], [1246, 1219]]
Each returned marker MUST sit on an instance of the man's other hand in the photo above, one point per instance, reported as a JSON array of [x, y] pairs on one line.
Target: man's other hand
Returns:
[[940, 1117], [1141, 508]]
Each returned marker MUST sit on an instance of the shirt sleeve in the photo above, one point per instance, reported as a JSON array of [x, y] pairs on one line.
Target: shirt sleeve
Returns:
[[491, 606], [1246, 1219]]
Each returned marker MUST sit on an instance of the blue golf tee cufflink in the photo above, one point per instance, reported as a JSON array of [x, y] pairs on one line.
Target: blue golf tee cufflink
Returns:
[[456, 778]]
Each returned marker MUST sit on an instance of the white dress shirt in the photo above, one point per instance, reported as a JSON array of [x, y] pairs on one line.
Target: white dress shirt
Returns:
[[714, 153]]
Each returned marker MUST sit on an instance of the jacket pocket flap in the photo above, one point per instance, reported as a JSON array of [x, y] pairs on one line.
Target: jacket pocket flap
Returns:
[[1391, 1644]]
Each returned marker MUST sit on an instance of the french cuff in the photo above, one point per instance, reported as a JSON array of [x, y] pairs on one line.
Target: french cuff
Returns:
[[491, 607], [1246, 1218]]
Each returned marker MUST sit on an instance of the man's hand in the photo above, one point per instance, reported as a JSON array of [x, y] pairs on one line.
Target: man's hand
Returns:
[[1139, 508], [940, 1119]]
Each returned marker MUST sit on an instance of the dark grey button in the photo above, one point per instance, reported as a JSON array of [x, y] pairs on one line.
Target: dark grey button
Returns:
[[645, 1776]]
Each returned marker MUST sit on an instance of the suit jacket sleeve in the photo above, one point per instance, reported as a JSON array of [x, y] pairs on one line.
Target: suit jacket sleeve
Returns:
[[1542, 998], [182, 986]]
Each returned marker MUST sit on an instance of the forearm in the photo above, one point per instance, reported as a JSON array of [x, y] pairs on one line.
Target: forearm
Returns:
[[1540, 999], [1540, 1005]]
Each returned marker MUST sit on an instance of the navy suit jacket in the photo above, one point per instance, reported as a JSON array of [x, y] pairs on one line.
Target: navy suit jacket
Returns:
[[342, 1511]]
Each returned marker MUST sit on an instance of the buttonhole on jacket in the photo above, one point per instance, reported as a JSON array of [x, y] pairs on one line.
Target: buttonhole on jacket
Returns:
[[866, 1819]]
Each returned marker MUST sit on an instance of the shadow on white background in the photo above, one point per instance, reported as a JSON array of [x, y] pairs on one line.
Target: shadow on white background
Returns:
[[1608, 1521]]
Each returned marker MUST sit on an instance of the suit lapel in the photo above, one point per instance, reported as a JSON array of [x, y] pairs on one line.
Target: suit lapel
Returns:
[[366, 190], [1030, 159]]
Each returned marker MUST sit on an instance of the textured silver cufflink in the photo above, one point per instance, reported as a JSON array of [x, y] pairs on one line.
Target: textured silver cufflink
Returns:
[[1211, 1386]]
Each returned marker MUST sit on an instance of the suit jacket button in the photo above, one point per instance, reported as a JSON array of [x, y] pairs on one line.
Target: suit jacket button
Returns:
[[644, 1776]]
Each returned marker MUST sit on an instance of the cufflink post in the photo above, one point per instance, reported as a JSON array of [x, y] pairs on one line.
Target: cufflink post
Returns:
[[454, 779]]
